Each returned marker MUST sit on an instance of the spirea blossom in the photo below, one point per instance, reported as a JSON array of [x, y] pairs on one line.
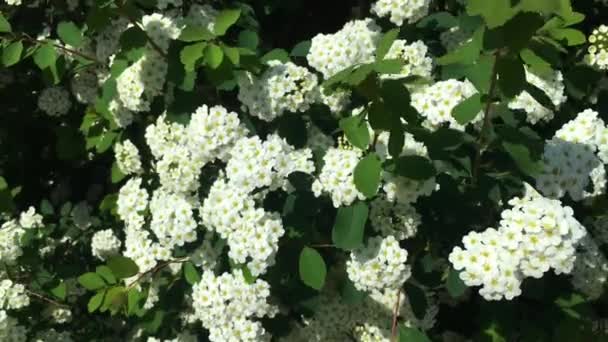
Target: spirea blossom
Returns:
[[30, 219], [552, 85], [598, 48], [229, 307], [379, 265], [10, 330], [435, 103], [10, 241], [393, 218], [202, 15], [131, 203], [415, 58], [336, 177], [536, 234], [105, 244], [12, 295], [54, 101], [354, 43], [401, 10], [283, 87], [127, 157], [172, 224]]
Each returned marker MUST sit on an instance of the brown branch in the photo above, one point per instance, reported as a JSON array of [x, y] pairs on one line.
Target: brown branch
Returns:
[[46, 299], [326, 245], [395, 315], [28, 38], [156, 269], [487, 119]]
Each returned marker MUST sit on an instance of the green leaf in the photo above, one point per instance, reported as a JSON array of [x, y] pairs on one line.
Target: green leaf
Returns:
[[467, 53], [213, 56], [59, 291], [438, 21], [356, 131], [396, 141], [45, 56], [521, 156], [106, 273], [411, 334], [385, 43], [5, 26], [117, 174], [312, 268], [133, 298], [536, 63], [122, 267], [249, 39], [569, 36], [455, 286], [70, 33], [96, 300], [380, 118], [12, 53], [414, 167], [233, 54], [46, 208], [540, 96], [224, 20], [468, 109], [495, 12], [190, 54], [3, 184], [515, 34], [192, 33], [190, 273], [275, 54], [367, 175], [105, 142], [301, 49], [417, 300], [479, 73], [388, 66], [91, 281], [349, 226], [511, 76], [133, 38], [115, 299]]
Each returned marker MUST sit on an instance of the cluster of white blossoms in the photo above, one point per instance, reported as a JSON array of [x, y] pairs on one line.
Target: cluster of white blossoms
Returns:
[[283, 87], [590, 272], [12, 296], [105, 244], [379, 265], [54, 101], [401, 189], [354, 43], [132, 202], [228, 306], [107, 42], [202, 16], [571, 160], [435, 103], [396, 219], [401, 10], [127, 157], [58, 315], [30, 219], [535, 235], [255, 163], [10, 330], [598, 48], [552, 85], [336, 177], [337, 101], [10, 241], [414, 55], [172, 224]]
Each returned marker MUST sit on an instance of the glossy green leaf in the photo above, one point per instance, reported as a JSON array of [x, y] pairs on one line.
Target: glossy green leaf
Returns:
[[385, 43], [521, 155], [224, 20], [190, 54], [106, 273], [356, 131], [367, 175], [248, 39], [5, 26], [45, 56], [91, 281], [467, 53], [468, 109], [312, 268], [275, 55], [122, 267], [70, 33], [414, 167], [59, 291], [96, 300], [495, 13], [350, 225], [192, 33], [511, 76], [190, 273], [301, 49], [213, 56], [455, 286], [411, 334], [12, 53]]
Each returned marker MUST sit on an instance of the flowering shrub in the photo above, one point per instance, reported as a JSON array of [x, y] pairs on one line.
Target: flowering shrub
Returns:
[[384, 170]]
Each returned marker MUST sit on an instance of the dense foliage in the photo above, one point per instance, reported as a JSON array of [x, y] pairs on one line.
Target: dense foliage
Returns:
[[387, 170]]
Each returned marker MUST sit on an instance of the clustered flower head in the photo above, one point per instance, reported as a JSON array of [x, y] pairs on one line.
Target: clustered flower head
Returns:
[[598, 49], [12, 296], [54, 101], [552, 85], [105, 244], [336, 177], [535, 235], [10, 241], [435, 103], [354, 43], [396, 219], [228, 306], [172, 224], [201, 16], [571, 159], [127, 157], [401, 10], [10, 330], [379, 265], [30, 219], [283, 87], [414, 55]]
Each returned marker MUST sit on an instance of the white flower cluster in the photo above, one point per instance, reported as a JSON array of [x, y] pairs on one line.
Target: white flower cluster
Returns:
[[379, 265], [535, 235], [10, 330], [12, 296], [172, 224], [571, 159], [10, 241], [255, 163], [396, 219], [13, 2], [202, 16], [336, 177], [417, 62], [590, 272], [354, 43], [283, 87], [30, 219], [108, 40], [105, 244], [337, 101], [435, 103], [552, 85], [598, 48], [132, 202], [127, 157], [401, 189], [401, 10], [228, 307], [54, 101]]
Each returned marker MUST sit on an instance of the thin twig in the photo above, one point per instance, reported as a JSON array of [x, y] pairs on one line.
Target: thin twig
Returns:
[[46, 299], [487, 119], [136, 24], [156, 269], [395, 315], [27, 38], [327, 245]]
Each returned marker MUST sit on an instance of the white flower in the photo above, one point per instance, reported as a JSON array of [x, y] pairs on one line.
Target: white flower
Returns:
[[401, 10], [552, 85], [54, 101], [127, 157], [105, 244], [30, 219]]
